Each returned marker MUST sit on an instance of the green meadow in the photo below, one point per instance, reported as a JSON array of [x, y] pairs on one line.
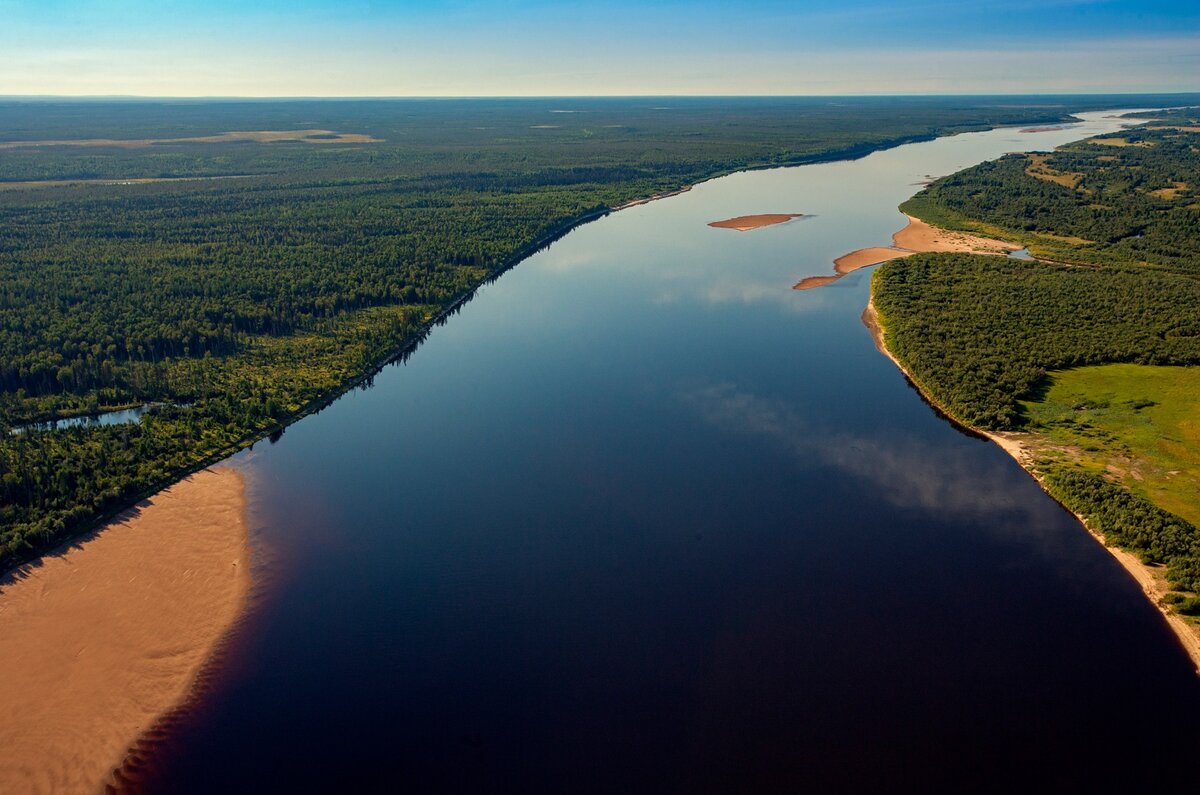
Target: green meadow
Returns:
[[1139, 423]]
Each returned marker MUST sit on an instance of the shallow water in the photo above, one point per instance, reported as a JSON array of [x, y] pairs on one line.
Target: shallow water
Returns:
[[118, 417], [643, 517]]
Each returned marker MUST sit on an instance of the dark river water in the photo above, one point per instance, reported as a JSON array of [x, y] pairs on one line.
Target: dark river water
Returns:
[[641, 517]]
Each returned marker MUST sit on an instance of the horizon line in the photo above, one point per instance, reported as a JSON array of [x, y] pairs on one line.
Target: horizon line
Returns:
[[312, 97]]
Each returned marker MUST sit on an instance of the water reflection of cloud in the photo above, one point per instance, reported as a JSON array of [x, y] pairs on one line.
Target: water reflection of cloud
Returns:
[[673, 282], [905, 470], [748, 293], [566, 258]]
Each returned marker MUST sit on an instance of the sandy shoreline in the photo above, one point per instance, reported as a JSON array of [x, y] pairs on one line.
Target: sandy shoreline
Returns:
[[917, 237], [1152, 579], [107, 634], [747, 223], [651, 198]]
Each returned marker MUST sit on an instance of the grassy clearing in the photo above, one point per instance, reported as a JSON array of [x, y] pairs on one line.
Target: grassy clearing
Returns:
[[1138, 423], [1117, 142], [1038, 169]]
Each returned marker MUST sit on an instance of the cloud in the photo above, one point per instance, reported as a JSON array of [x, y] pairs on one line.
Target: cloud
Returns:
[[357, 48]]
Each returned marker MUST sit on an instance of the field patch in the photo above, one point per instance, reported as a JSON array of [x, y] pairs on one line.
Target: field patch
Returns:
[[254, 136], [1139, 424], [1171, 192], [1117, 142], [1038, 169]]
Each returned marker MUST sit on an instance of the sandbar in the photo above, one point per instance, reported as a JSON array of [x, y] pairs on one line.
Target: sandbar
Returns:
[[109, 633], [809, 282], [745, 223], [915, 238], [866, 257], [1023, 448]]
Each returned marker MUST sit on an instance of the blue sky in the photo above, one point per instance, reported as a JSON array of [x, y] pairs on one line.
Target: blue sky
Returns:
[[532, 47]]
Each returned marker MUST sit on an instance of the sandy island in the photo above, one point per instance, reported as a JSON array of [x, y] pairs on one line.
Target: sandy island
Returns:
[[1152, 578], [916, 238], [107, 634], [745, 223]]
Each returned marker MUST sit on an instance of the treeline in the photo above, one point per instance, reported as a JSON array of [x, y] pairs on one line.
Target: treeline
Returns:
[[92, 289], [52, 483], [1133, 523]]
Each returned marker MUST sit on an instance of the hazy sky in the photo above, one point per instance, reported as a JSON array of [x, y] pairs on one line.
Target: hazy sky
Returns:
[[532, 47]]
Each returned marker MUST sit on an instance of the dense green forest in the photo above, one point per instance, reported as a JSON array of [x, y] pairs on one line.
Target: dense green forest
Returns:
[[982, 331], [1119, 219], [242, 283]]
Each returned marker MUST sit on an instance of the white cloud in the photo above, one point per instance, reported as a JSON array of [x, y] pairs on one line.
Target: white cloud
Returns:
[[308, 67]]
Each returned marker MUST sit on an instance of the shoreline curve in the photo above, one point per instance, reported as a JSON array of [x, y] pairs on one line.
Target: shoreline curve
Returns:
[[1151, 579]]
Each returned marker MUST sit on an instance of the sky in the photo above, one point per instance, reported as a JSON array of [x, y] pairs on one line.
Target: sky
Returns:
[[331, 48]]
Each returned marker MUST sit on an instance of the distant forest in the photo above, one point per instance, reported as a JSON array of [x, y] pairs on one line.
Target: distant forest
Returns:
[[241, 283]]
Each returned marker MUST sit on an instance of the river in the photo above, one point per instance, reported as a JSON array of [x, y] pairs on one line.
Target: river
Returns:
[[641, 517]]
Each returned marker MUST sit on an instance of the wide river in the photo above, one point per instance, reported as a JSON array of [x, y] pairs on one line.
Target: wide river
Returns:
[[642, 517]]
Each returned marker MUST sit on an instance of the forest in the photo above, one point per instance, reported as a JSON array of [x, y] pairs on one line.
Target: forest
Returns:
[[983, 331], [238, 284], [1117, 223]]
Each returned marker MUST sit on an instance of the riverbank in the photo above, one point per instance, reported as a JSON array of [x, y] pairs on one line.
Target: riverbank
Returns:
[[1022, 446], [917, 237], [106, 635], [651, 198]]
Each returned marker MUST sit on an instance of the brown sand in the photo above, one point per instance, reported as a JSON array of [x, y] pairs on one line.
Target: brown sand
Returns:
[[866, 257], [917, 237], [1022, 446], [1042, 129], [920, 236], [809, 282], [745, 223], [109, 633], [258, 136]]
